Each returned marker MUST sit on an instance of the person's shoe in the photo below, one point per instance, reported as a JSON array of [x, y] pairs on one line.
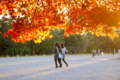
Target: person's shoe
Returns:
[[60, 66], [56, 67], [67, 65]]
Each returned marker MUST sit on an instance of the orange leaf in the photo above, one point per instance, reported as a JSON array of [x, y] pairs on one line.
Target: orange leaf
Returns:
[[66, 34], [6, 19]]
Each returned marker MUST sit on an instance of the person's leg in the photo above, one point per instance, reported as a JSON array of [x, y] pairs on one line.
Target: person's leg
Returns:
[[93, 55], [59, 60], [56, 63], [65, 62]]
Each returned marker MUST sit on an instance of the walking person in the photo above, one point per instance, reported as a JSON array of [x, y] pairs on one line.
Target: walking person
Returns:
[[64, 50], [98, 51], [57, 50], [93, 52]]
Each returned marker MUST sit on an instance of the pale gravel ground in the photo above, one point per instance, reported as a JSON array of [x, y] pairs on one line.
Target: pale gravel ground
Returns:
[[43, 68]]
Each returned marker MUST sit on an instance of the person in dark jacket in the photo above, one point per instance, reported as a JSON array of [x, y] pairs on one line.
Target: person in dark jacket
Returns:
[[57, 49]]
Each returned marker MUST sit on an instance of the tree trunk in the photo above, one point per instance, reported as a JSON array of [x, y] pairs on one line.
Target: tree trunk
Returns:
[[13, 50], [0, 50]]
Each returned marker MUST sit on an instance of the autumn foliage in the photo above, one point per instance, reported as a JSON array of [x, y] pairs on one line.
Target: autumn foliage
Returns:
[[34, 19]]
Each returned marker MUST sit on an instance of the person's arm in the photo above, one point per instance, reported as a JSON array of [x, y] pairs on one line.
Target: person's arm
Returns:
[[54, 50], [66, 50]]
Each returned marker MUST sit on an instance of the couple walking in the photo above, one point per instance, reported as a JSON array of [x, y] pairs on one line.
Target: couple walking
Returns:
[[62, 50]]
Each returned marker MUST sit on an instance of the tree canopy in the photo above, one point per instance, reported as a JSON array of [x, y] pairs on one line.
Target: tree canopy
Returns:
[[34, 19]]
